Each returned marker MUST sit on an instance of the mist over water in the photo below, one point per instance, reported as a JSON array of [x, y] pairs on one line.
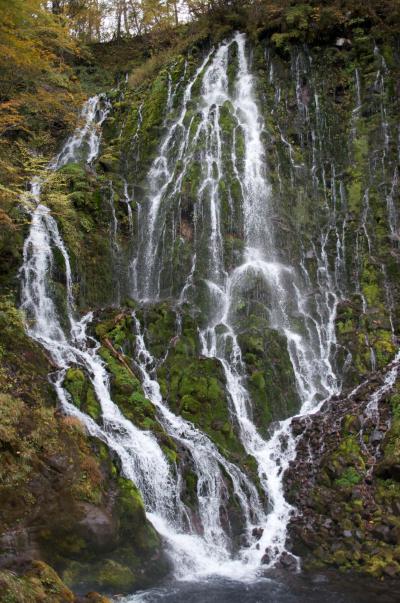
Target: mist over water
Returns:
[[287, 589]]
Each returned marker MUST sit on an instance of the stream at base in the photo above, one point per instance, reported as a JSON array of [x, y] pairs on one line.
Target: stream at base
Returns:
[[279, 588]]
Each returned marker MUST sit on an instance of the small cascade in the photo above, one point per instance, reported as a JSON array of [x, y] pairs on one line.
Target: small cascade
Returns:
[[142, 459], [372, 408], [389, 301], [393, 217], [114, 226], [127, 198], [211, 552], [162, 187], [357, 109], [134, 145], [68, 344], [128, 202], [84, 143], [380, 87], [141, 456], [389, 134], [116, 251]]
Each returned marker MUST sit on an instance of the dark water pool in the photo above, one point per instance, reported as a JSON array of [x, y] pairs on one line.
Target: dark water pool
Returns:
[[319, 588]]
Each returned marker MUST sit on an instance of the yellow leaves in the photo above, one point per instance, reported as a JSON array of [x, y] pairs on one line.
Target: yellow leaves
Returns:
[[10, 117], [5, 220], [10, 411], [32, 43], [35, 86]]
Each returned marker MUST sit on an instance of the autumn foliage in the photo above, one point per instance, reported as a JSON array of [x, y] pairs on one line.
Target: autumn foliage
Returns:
[[38, 95]]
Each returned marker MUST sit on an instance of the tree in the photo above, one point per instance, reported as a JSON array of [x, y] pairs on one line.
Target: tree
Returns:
[[175, 9], [33, 47]]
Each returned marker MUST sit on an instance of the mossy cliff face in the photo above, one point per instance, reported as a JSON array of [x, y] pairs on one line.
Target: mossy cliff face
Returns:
[[349, 496], [330, 112]]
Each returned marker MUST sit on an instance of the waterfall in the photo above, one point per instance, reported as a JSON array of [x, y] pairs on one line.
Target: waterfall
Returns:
[[314, 374], [211, 173], [84, 144], [310, 355], [211, 553], [142, 459]]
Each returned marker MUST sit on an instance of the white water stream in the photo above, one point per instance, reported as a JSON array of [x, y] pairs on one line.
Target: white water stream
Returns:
[[84, 144], [311, 354]]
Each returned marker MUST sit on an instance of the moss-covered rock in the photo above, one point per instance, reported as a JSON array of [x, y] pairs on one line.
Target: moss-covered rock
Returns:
[[348, 500], [39, 583], [270, 379]]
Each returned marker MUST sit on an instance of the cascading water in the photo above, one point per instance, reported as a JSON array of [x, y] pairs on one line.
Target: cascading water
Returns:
[[216, 100], [310, 354], [211, 553], [141, 457], [84, 143]]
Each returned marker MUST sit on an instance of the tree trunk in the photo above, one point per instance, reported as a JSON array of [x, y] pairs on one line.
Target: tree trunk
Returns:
[[56, 7], [176, 12]]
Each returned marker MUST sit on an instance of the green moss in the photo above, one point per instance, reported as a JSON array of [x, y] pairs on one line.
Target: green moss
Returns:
[[115, 577], [233, 67], [384, 347], [355, 193], [153, 110], [349, 452], [395, 404], [130, 501], [391, 449], [124, 381], [371, 289], [74, 383], [270, 375], [227, 121], [349, 478], [39, 583], [82, 392], [92, 406], [345, 327]]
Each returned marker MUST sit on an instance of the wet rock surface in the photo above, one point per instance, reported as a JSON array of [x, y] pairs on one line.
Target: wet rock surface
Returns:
[[344, 483]]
